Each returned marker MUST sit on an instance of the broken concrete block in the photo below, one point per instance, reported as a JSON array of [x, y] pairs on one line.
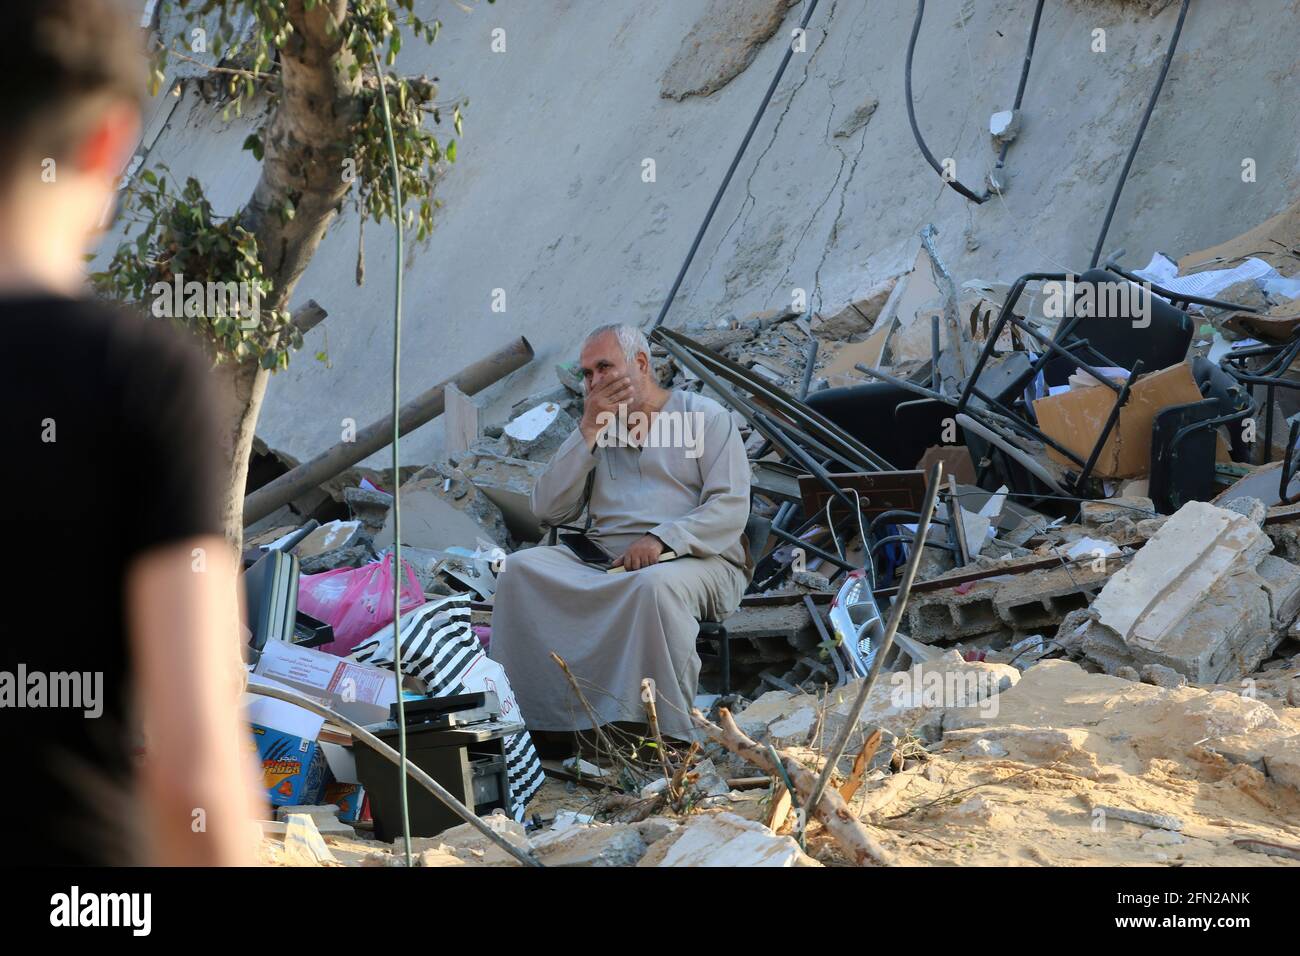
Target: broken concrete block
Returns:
[[538, 432], [981, 810], [469, 844], [508, 484], [1226, 636], [570, 376], [772, 707], [1224, 714], [812, 580], [368, 506], [1194, 549], [708, 781], [438, 857], [441, 508], [618, 844], [725, 839], [983, 747], [1282, 763], [950, 613], [1026, 601], [793, 728], [1194, 599], [558, 395], [1124, 672], [1157, 821], [1281, 582]]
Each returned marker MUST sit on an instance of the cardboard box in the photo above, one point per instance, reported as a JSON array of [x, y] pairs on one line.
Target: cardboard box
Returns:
[[350, 798], [356, 691], [293, 770], [284, 735], [1076, 419]]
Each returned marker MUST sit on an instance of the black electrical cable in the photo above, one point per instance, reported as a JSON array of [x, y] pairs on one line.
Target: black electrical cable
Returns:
[[735, 161], [911, 107], [1137, 140], [911, 115], [1024, 74]]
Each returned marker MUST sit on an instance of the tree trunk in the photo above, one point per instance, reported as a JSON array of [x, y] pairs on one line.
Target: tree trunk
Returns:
[[304, 146], [242, 389]]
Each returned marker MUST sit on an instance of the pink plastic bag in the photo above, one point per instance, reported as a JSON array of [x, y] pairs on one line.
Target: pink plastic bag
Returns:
[[356, 602]]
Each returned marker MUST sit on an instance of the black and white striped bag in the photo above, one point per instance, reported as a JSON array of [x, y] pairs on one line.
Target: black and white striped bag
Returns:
[[439, 648]]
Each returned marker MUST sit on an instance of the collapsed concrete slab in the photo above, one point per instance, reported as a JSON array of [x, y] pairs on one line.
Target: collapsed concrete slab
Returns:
[[508, 484], [442, 508], [1203, 597]]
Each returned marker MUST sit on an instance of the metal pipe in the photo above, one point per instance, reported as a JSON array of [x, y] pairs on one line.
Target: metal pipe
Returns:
[[804, 459], [696, 357], [834, 559], [810, 359], [1020, 456], [377, 435]]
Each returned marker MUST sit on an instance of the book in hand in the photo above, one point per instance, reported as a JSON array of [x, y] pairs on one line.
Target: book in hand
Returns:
[[589, 552]]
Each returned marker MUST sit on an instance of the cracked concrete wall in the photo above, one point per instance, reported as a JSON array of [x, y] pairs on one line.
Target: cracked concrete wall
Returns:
[[547, 200]]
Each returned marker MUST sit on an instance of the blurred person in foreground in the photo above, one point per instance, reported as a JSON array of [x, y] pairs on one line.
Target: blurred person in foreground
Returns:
[[120, 586]]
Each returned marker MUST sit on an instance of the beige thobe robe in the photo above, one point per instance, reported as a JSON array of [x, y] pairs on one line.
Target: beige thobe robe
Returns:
[[615, 629]]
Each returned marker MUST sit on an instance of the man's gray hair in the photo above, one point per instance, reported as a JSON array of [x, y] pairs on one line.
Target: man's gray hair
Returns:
[[631, 339]]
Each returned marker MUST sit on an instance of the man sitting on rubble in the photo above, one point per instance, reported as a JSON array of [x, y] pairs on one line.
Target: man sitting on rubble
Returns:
[[658, 471]]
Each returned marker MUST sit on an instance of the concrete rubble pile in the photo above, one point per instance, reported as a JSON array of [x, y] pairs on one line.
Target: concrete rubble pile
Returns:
[[1080, 632]]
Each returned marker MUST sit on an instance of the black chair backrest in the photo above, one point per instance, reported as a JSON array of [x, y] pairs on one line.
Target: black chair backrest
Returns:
[[870, 414], [1159, 345]]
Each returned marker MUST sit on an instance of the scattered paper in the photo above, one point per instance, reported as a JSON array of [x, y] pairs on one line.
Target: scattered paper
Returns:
[[1091, 548], [1163, 271]]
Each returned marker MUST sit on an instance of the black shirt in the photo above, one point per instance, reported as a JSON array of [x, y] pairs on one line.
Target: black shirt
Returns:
[[112, 452]]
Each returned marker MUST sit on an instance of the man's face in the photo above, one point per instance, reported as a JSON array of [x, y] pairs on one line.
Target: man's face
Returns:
[[603, 359]]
